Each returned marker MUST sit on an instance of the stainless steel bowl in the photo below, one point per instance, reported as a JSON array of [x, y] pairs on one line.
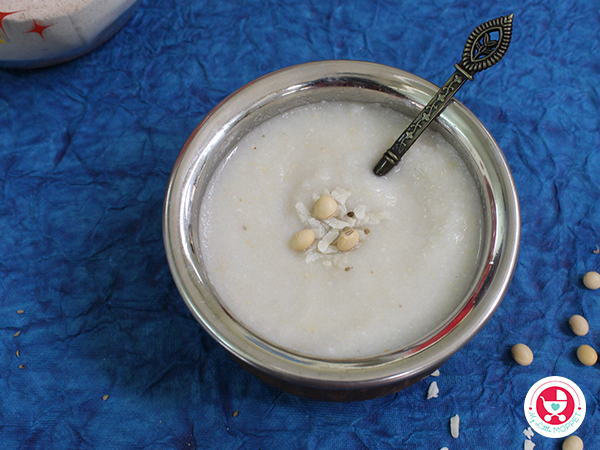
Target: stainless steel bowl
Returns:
[[214, 139]]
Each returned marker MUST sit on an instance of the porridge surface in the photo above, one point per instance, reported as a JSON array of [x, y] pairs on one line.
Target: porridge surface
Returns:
[[402, 281]]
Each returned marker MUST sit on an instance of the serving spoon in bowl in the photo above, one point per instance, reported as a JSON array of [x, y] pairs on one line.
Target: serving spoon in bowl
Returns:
[[481, 52]]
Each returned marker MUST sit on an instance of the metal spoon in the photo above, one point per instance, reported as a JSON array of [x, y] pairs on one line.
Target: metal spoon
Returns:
[[481, 52]]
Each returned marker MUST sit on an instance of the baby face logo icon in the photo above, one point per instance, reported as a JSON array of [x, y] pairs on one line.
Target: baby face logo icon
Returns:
[[555, 407]]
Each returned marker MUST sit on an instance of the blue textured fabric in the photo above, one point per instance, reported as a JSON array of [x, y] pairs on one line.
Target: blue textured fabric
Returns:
[[86, 149]]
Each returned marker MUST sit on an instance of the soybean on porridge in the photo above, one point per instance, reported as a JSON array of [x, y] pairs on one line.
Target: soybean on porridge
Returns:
[[420, 232]]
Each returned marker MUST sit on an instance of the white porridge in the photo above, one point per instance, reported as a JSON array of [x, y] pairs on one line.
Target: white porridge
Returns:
[[419, 229]]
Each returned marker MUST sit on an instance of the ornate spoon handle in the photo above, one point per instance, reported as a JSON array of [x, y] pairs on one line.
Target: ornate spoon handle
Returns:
[[480, 53]]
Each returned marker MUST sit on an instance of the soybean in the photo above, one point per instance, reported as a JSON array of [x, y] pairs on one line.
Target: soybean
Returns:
[[572, 443], [302, 240], [579, 325], [591, 280], [587, 355], [347, 240], [325, 207], [522, 354]]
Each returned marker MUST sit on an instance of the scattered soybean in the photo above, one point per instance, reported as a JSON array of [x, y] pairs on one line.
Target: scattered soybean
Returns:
[[579, 325], [587, 355], [591, 280], [572, 443], [522, 354]]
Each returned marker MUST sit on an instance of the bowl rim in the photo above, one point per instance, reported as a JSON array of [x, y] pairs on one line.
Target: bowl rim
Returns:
[[340, 374]]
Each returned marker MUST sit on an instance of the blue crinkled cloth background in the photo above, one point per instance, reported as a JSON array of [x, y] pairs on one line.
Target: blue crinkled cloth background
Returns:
[[86, 150]]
